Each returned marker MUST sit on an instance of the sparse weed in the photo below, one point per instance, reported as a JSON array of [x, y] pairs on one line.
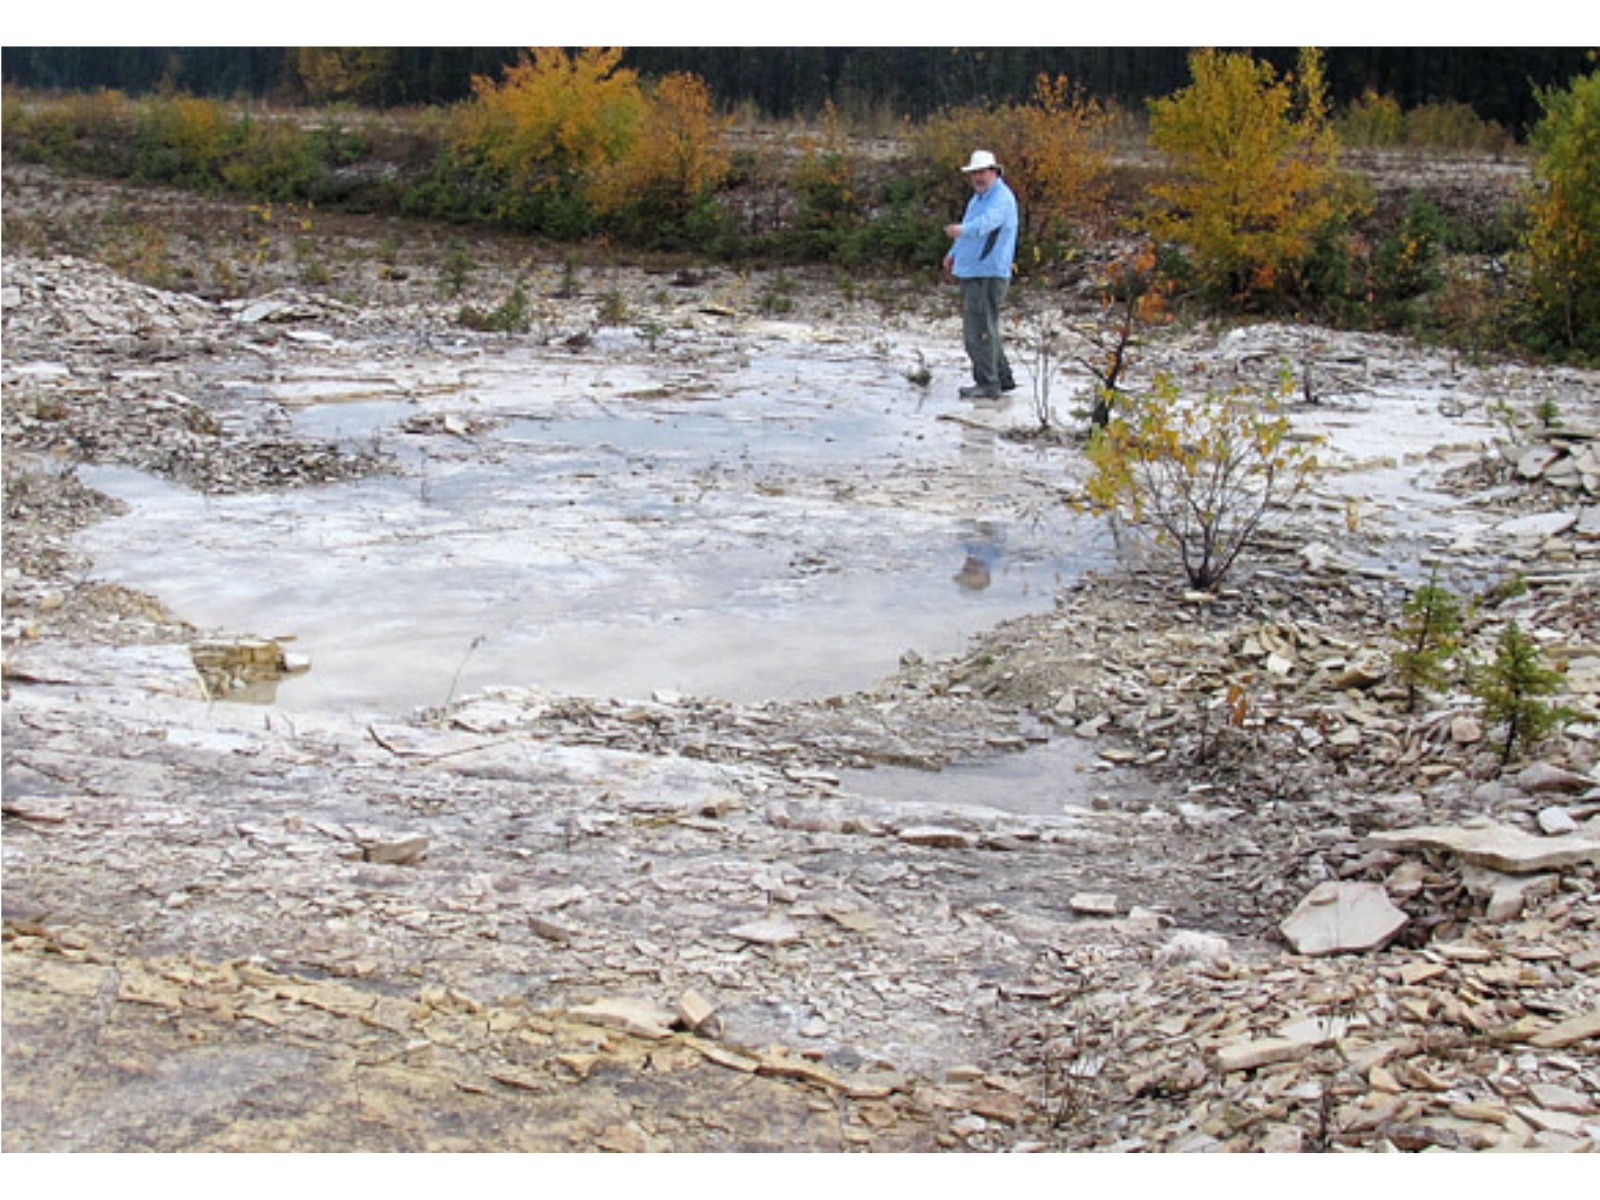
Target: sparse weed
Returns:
[[613, 309], [511, 315], [456, 269], [777, 296]]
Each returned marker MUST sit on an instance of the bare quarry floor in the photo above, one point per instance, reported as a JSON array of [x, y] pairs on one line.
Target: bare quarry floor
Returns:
[[684, 725]]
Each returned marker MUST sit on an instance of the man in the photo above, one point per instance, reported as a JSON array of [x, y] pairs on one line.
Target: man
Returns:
[[983, 247]]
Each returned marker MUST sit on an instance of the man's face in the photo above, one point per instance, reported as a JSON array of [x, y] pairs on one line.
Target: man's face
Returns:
[[983, 180]]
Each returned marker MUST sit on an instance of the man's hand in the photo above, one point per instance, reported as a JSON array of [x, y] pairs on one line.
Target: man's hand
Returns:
[[952, 232]]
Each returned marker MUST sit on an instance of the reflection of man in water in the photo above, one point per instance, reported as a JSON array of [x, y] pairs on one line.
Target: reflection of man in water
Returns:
[[974, 575], [984, 547]]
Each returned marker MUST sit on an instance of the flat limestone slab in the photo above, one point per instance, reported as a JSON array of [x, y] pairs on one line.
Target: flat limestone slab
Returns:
[[1496, 846], [1339, 917]]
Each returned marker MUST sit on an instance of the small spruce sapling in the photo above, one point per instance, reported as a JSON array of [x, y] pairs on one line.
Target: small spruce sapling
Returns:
[[1509, 687], [1428, 639]]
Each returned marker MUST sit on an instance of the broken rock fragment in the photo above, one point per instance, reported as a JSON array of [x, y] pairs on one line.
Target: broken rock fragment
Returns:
[[1585, 1027], [641, 1018], [694, 1010], [1556, 821], [1539, 525], [398, 851], [1339, 917], [1546, 777], [1260, 1052], [770, 931], [1094, 904], [393, 849], [939, 837]]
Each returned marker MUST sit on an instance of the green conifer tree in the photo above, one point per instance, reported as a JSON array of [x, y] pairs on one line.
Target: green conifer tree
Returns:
[[1509, 687], [1427, 637]]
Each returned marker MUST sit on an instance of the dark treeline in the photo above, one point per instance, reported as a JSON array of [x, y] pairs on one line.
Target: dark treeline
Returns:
[[1498, 83], [419, 75]]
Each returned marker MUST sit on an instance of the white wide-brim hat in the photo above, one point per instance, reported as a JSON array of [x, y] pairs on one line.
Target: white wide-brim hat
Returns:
[[981, 160]]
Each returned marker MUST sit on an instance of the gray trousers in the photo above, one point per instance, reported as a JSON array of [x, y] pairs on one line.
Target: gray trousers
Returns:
[[980, 325]]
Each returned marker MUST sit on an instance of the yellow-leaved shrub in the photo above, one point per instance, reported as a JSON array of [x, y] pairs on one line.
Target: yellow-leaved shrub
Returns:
[[1201, 474]]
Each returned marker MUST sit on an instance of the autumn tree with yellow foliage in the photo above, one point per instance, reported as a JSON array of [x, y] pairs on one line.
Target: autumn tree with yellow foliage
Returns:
[[1255, 175], [352, 74], [554, 118], [584, 138], [1562, 243]]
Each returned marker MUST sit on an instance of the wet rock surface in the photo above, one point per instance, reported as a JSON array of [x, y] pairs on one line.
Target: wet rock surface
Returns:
[[523, 919]]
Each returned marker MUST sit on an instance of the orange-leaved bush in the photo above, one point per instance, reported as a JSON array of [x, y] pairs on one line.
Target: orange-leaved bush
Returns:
[[1133, 297], [1062, 160], [584, 137], [1054, 150], [678, 156]]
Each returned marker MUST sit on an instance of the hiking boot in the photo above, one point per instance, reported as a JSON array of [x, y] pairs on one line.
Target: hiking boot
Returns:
[[1008, 385], [979, 392]]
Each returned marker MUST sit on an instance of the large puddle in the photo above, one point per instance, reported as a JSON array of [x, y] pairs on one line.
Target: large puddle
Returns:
[[780, 522], [1050, 779]]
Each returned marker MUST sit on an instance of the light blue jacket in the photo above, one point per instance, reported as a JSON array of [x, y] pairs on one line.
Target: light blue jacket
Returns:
[[988, 241]]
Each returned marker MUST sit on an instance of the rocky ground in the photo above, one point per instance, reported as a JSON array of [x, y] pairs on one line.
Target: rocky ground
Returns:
[[1292, 915]]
